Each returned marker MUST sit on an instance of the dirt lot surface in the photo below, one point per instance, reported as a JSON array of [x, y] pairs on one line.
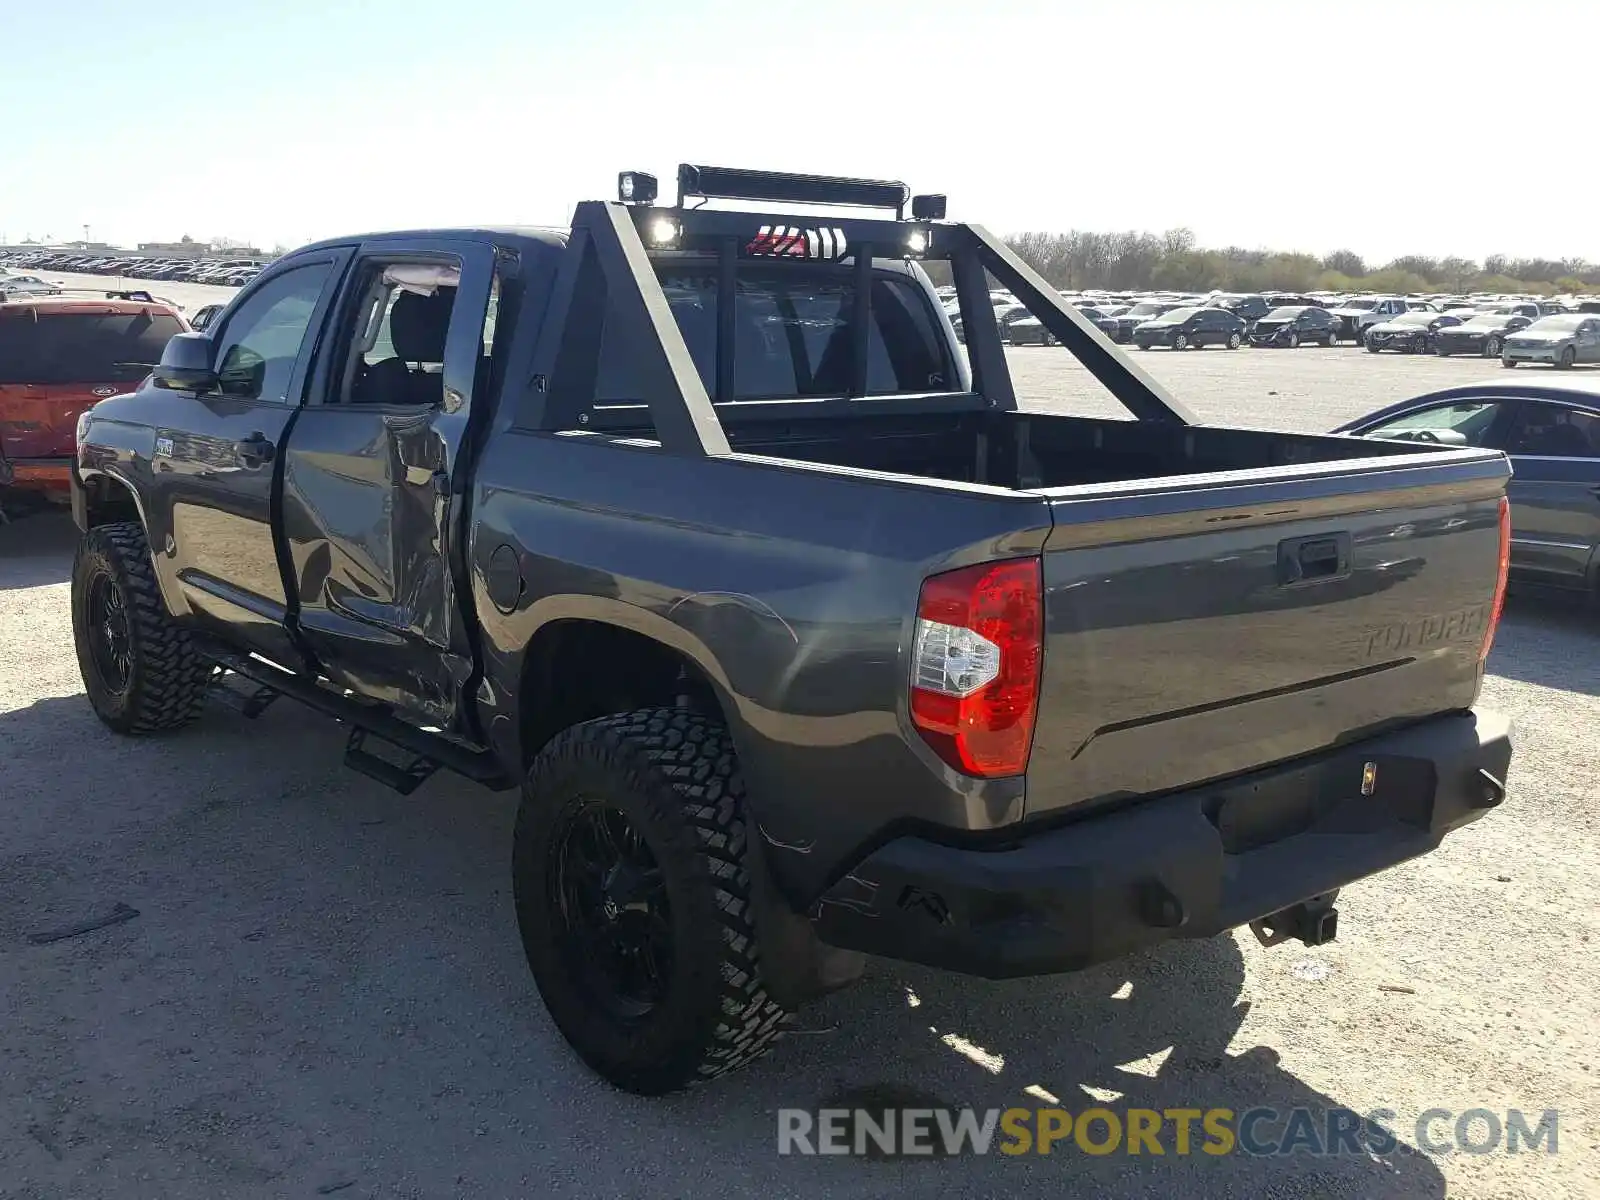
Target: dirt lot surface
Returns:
[[323, 991]]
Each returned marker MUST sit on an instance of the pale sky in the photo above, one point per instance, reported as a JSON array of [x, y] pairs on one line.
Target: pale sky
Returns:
[[1413, 126]]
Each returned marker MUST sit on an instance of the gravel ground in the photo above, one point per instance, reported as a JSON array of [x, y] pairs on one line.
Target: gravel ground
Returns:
[[323, 992]]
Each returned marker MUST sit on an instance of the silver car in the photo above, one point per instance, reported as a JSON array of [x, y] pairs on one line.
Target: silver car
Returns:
[[1560, 340]]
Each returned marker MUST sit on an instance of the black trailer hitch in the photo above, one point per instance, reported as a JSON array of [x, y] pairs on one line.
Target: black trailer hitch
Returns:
[[1315, 922]]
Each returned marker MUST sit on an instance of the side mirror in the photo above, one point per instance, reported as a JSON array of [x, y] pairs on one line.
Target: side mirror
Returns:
[[186, 364]]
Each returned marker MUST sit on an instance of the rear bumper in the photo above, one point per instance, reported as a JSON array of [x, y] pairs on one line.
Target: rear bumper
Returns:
[[38, 475], [1186, 865]]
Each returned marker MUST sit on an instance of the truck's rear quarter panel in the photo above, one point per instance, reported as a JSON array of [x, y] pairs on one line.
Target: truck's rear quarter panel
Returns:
[[794, 588]]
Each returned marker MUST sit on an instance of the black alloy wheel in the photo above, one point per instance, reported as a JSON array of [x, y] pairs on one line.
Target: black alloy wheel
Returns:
[[107, 637], [613, 917]]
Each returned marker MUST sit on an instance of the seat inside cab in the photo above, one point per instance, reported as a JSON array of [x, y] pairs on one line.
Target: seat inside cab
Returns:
[[397, 357]]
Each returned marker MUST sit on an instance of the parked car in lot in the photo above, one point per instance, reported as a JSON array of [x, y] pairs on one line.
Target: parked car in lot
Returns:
[[58, 358], [1037, 711], [1481, 333], [27, 285], [204, 315], [1124, 323], [1296, 325], [1409, 333], [1248, 308], [1552, 436], [1358, 315], [1028, 330], [1191, 328], [1561, 341]]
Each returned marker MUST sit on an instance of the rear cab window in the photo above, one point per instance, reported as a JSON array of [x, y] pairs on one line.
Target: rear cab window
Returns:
[[82, 346], [792, 334]]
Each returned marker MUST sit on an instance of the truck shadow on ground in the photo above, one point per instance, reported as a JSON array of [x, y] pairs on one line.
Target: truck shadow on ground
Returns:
[[1549, 640], [36, 550], [1153, 1032], [373, 941]]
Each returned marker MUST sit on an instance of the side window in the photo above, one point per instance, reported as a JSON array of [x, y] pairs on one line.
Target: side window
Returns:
[[393, 345], [1466, 424], [262, 339], [1554, 431]]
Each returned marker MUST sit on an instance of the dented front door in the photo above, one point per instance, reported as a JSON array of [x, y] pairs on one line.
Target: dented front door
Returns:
[[370, 491]]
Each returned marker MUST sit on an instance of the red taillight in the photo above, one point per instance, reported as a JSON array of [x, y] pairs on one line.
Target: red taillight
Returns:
[[1500, 580], [975, 665]]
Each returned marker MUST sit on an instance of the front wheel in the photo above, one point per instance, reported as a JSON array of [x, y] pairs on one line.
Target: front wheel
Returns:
[[1565, 360], [1333, 340], [633, 899], [1181, 342], [1234, 341], [140, 669], [1294, 339], [1507, 363], [1372, 347], [1491, 348]]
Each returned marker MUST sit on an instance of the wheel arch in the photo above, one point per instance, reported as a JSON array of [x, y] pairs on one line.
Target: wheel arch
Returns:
[[577, 666], [107, 499]]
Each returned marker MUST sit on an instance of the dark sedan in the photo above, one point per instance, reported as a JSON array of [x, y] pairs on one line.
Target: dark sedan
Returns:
[[1552, 436], [1296, 325], [1185, 328], [1028, 330], [1124, 323], [1409, 333], [1481, 333]]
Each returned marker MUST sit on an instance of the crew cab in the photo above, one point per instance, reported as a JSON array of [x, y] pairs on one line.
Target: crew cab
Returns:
[[803, 638]]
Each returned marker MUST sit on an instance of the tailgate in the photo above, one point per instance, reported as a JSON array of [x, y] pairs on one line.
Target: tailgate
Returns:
[[39, 420], [1205, 625]]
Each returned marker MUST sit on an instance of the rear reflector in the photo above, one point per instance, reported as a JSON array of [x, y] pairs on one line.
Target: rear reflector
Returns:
[[1504, 570], [976, 663]]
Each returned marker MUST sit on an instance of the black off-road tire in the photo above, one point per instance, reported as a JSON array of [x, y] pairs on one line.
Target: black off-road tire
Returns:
[[674, 776], [166, 686]]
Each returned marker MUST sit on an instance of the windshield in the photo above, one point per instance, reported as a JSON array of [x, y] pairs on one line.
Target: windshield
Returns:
[[1561, 324], [1414, 318], [82, 347], [792, 335], [1283, 314], [1486, 321], [1363, 305], [1175, 316], [1147, 309]]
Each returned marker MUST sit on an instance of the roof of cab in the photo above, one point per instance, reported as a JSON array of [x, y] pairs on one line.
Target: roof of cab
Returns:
[[501, 235]]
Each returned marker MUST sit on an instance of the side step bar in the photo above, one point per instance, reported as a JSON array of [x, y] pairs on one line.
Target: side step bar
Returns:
[[429, 750]]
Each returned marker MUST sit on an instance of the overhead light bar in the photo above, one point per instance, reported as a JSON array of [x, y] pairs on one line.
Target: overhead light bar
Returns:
[[734, 183]]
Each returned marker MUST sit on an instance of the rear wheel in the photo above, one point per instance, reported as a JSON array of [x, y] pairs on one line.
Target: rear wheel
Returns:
[[140, 669], [634, 900]]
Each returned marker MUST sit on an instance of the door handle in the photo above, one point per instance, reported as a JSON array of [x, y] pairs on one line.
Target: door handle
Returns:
[[254, 450]]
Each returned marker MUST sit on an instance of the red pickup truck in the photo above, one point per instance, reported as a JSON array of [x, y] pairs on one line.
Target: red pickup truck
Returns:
[[59, 356]]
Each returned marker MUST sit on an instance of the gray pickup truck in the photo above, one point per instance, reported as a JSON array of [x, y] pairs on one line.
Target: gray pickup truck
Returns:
[[802, 638]]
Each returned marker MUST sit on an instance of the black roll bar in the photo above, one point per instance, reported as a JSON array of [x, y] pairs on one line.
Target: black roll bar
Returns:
[[611, 257]]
